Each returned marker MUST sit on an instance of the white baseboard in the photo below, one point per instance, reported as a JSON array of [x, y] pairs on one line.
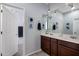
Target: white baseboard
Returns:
[[33, 52]]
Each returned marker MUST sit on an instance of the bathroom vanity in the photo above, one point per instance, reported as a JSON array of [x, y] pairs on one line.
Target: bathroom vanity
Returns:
[[59, 46], [67, 42]]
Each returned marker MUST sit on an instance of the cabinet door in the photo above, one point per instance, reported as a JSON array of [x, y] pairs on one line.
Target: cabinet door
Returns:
[[53, 47], [66, 51], [9, 27], [45, 44]]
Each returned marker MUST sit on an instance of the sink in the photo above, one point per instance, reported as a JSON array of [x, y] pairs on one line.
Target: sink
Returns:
[[56, 34], [51, 34], [73, 37], [65, 36], [46, 33]]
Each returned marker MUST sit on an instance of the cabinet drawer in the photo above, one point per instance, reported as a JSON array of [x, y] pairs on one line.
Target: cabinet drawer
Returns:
[[45, 38], [69, 44], [54, 40]]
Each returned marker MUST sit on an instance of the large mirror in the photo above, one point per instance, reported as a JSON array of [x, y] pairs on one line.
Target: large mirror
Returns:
[[71, 23], [44, 23], [63, 20], [55, 22]]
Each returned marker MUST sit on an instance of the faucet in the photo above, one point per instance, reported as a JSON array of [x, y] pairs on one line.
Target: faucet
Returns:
[[46, 32]]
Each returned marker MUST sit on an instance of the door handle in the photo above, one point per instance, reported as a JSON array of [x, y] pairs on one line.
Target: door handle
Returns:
[[1, 32]]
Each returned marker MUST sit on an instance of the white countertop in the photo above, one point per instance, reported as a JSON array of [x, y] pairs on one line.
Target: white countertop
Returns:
[[63, 37]]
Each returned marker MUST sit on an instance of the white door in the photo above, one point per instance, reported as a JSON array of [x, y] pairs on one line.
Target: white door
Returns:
[[0, 29], [10, 31], [76, 27]]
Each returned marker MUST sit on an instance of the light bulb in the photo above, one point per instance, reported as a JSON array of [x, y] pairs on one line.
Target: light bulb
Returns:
[[73, 8], [48, 10]]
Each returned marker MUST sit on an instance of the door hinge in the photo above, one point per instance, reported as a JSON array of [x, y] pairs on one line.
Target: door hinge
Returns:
[[1, 33], [1, 11], [1, 54]]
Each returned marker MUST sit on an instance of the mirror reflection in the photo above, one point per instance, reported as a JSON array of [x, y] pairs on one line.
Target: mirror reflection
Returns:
[[62, 20]]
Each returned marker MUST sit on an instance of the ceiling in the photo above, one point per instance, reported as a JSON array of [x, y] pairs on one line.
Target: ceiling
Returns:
[[62, 7]]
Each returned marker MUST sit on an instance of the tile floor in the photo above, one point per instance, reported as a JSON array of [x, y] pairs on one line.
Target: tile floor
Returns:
[[41, 53]]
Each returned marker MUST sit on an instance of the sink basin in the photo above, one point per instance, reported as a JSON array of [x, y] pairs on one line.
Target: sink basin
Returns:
[[46, 33], [73, 37], [51, 34], [69, 36], [56, 34]]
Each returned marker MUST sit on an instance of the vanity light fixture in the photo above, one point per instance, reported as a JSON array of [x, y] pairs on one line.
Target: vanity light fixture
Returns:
[[72, 8], [55, 11], [48, 10], [70, 5]]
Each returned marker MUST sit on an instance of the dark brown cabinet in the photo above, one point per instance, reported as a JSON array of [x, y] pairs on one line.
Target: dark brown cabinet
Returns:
[[53, 47], [45, 44], [66, 51], [56, 47], [67, 48]]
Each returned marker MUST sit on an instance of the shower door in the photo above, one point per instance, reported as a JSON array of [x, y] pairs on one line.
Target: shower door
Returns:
[[9, 30]]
